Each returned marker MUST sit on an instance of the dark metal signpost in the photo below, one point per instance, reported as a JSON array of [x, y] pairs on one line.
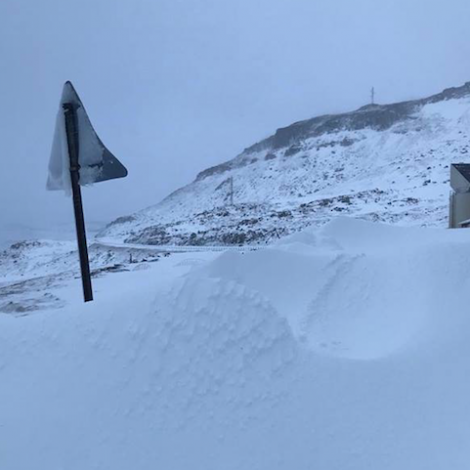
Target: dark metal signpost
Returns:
[[71, 130], [79, 158]]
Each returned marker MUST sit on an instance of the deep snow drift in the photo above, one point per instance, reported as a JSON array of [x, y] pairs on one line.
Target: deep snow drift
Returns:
[[340, 348]]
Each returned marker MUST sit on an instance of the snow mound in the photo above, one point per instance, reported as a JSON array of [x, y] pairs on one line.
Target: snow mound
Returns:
[[218, 344], [356, 289], [341, 348], [193, 369]]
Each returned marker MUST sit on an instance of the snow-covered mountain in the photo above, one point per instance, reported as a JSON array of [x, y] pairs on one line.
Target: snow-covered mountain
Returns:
[[385, 163]]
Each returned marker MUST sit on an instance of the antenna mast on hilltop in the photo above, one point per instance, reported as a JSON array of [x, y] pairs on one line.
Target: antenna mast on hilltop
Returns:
[[372, 96]]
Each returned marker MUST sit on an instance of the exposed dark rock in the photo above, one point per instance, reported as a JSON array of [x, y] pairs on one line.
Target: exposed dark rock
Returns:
[[24, 244], [154, 235], [346, 142], [295, 149], [411, 200], [214, 170], [284, 214], [121, 220], [345, 199]]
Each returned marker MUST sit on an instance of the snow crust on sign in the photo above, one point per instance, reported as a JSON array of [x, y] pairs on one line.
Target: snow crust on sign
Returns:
[[344, 347], [59, 164]]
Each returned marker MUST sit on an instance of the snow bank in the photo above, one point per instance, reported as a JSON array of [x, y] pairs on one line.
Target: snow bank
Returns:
[[357, 289], [345, 348]]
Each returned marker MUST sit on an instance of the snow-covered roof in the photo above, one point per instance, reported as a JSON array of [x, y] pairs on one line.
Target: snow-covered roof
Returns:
[[463, 169], [460, 177]]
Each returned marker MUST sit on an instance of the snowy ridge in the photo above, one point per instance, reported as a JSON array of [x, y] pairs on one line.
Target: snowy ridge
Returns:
[[384, 163], [337, 369]]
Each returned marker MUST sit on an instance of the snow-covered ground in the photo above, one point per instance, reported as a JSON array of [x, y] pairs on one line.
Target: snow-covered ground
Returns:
[[32, 271], [342, 347]]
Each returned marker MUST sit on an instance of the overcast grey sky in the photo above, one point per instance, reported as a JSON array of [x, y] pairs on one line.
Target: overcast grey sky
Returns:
[[174, 86]]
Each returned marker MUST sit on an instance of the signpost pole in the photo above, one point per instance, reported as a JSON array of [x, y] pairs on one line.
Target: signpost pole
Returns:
[[71, 129]]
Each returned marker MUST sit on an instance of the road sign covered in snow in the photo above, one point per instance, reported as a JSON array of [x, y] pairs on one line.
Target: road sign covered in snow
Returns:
[[96, 162], [79, 158]]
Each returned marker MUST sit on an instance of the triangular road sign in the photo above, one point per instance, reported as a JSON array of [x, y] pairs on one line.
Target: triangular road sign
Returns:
[[96, 162], [78, 158]]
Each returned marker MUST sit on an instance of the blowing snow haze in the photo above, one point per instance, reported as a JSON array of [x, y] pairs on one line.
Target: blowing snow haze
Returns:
[[176, 87]]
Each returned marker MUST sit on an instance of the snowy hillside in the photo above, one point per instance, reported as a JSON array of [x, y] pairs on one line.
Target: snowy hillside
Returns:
[[383, 163], [342, 347]]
